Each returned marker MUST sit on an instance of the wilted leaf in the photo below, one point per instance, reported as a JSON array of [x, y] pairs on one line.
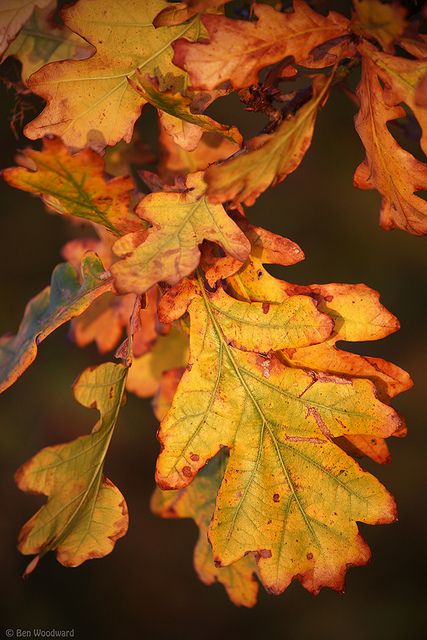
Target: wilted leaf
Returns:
[[238, 50], [75, 184], [41, 42], [380, 20], [85, 513], [90, 102], [13, 14], [268, 158], [66, 298], [197, 501], [169, 250], [289, 494]]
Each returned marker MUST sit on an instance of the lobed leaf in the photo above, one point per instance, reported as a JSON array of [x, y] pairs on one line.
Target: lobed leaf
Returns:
[[290, 494], [394, 172], [75, 185], [169, 250], [237, 50], [85, 513], [90, 102]]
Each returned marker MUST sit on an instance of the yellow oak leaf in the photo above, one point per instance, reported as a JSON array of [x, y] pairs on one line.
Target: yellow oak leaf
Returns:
[[238, 49], [268, 158], [393, 171], [376, 19], [290, 494], [90, 102], [13, 14], [85, 513], [197, 501], [75, 185], [169, 352], [66, 298], [169, 250], [41, 42]]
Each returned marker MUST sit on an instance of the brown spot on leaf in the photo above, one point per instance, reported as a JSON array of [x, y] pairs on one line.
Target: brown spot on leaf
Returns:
[[194, 457], [276, 497], [309, 556], [265, 307], [187, 472]]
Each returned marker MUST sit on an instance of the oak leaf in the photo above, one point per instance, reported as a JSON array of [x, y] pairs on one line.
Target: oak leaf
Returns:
[[176, 160], [168, 352], [85, 513], [180, 12], [288, 486], [197, 501], [403, 79], [66, 298], [237, 50], [75, 185], [13, 14], [393, 171], [90, 102], [268, 158], [177, 115], [383, 21], [169, 250], [41, 42]]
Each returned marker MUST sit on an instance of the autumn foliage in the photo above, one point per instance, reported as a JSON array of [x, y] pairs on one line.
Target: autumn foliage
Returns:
[[262, 414]]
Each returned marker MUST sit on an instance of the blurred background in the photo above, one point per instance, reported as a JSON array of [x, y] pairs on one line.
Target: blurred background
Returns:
[[147, 587]]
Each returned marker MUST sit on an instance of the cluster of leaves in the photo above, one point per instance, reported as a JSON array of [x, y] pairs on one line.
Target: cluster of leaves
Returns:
[[262, 415]]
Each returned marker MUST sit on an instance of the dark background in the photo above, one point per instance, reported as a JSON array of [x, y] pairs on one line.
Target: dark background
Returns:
[[147, 587]]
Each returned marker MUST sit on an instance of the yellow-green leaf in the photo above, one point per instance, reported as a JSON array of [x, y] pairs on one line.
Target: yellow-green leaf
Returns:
[[85, 513], [197, 501], [290, 494]]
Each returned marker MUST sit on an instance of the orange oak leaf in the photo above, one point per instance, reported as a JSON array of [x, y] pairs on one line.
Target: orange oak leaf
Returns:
[[238, 50], [75, 185], [394, 172], [169, 250], [404, 80]]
